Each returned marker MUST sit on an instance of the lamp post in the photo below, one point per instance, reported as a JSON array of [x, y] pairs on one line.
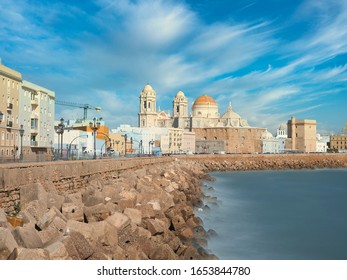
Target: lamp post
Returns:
[[150, 143], [95, 125], [62, 126], [21, 133], [59, 129], [125, 143], [117, 142]]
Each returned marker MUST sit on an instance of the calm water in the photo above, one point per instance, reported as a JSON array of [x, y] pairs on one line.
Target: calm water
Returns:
[[285, 215]]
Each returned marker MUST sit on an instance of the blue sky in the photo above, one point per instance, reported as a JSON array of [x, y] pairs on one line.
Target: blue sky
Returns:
[[271, 59]]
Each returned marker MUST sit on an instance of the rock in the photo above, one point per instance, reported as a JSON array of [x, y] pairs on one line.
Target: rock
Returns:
[[55, 200], [30, 192], [186, 233], [99, 256], [27, 237], [7, 243], [155, 205], [85, 229], [155, 226], [105, 233], [73, 211], [118, 220], [57, 251], [48, 217], [30, 254], [70, 247], [35, 208], [135, 215], [96, 213], [190, 253], [178, 222], [146, 210], [81, 245], [163, 253]]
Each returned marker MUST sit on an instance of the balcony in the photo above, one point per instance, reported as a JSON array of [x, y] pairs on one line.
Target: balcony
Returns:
[[34, 130], [34, 143], [9, 106], [35, 101]]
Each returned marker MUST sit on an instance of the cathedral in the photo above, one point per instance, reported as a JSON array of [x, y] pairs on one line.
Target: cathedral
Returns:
[[228, 132], [204, 113]]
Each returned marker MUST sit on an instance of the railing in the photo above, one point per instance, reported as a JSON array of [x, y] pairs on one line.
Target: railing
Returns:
[[34, 143]]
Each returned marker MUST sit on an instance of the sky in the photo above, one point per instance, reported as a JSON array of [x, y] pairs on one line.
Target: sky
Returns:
[[272, 59]]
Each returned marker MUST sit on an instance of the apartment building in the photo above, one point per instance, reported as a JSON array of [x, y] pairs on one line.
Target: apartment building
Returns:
[[37, 117], [10, 86]]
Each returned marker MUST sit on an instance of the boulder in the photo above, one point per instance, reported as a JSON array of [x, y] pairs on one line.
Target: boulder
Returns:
[[7, 243], [35, 208], [48, 217], [178, 222], [135, 215], [30, 254], [105, 233], [54, 199], [73, 211], [27, 237], [33, 191], [163, 253], [81, 245], [57, 251], [85, 229], [155, 226], [118, 220], [96, 213]]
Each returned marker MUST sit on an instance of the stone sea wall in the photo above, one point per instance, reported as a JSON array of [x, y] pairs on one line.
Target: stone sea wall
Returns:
[[140, 208], [140, 213]]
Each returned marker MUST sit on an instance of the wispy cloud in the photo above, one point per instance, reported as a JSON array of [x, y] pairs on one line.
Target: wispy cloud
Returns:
[[103, 52]]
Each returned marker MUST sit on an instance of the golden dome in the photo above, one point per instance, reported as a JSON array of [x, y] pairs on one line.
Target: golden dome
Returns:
[[204, 100]]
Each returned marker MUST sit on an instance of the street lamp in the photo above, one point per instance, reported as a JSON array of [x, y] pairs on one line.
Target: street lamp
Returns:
[[60, 130], [95, 125], [21, 133], [125, 139], [150, 143]]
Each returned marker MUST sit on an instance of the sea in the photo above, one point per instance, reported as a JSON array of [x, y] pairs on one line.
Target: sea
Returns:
[[277, 215]]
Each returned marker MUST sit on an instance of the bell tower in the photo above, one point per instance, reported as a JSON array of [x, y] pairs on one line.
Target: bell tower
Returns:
[[148, 111], [180, 110]]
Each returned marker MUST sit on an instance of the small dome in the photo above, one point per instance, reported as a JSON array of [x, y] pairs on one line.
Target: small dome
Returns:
[[266, 135], [230, 114], [180, 94], [148, 90], [283, 126], [204, 100]]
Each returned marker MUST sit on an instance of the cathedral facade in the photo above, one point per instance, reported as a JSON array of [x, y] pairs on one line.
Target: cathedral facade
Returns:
[[230, 129]]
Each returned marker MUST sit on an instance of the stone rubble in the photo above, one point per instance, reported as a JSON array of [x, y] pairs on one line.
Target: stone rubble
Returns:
[[137, 214]]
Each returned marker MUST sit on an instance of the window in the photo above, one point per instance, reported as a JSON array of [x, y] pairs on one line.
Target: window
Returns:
[[145, 104], [149, 105]]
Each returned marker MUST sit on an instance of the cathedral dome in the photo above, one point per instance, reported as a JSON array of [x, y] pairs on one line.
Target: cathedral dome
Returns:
[[230, 114], [204, 100], [266, 135], [180, 94], [148, 90]]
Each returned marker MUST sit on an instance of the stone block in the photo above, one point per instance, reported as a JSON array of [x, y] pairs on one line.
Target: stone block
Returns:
[[190, 253], [155, 226], [178, 222], [118, 220], [48, 217], [49, 235], [73, 198], [7, 243], [73, 211], [163, 253], [105, 233], [186, 234], [30, 192], [99, 256], [27, 237], [81, 245], [71, 249], [54, 199], [30, 254], [140, 173], [57, 251], [135, 215], [85, 229], [155, 205], [36, 209], [96, 213], [146, 210]]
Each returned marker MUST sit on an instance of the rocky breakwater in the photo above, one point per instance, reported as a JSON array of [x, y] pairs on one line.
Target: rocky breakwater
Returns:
[[136, 214], [269, 161]]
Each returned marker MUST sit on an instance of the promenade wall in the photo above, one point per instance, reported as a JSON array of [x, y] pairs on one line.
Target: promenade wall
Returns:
[[67, 176]]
